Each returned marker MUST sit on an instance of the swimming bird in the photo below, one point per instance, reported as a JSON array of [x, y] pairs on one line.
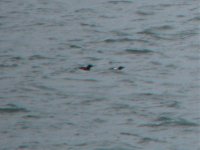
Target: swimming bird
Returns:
[[118, 68], [87, 68]]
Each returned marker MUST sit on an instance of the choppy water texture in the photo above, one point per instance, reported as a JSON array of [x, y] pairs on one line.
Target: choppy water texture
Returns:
[[46, 103]]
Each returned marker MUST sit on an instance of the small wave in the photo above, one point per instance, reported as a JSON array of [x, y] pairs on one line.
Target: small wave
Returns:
[[37, 57], [118, 40], [137, 51], [118, 146], [148, 139], [185, 34], [88, 25], [145, 13], [173, 104], [10, 62], [142, 139], [92, 58], [79, 80], [119, 2], [165, 33], [43, 87], [178, 121], [166, 5], [164, 27], [85, 10], [195, 19], [11, 108], [158, 32], [167, 121], [99, 120], [3, 17], [124, 109], [129, 134], [31, 117], [8, 65], [74, 46], [121, 33], [16, 58], [92, 101]]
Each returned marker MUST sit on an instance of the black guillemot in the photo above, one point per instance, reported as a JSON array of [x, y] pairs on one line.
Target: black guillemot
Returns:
[[87, 68]]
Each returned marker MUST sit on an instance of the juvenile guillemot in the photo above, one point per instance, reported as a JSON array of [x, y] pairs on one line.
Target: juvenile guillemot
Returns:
[[118, 68]]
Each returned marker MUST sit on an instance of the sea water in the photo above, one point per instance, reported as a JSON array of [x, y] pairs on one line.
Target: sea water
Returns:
[[47, 103]]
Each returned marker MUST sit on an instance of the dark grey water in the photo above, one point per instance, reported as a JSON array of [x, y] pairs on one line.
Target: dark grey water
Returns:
[[46, 103]]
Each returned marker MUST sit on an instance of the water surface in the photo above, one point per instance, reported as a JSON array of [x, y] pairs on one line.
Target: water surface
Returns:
[[47, 103]]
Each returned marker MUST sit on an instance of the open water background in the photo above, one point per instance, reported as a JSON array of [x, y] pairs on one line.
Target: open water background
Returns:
[[46, 103]]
